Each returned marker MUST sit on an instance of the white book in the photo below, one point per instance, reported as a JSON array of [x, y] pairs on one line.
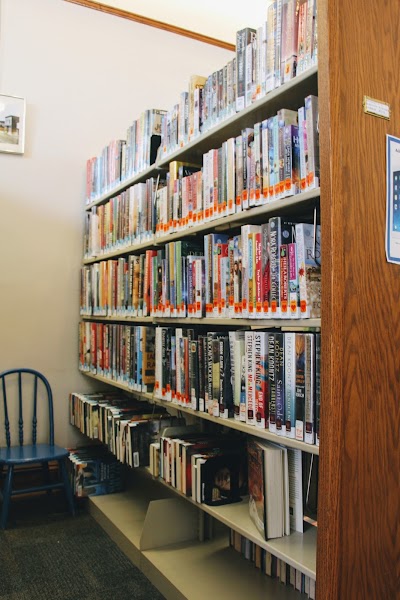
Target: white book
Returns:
[[295, 489]]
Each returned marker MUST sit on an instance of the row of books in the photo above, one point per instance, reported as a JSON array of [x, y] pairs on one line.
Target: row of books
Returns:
[[94, 471], [124, 354], [269, 380], [267, 271], [282, 47], [285, 45], [266, 379], [122, 159], [224, 468], [271, 565], [125, 425], [278, 157], [124, 220]]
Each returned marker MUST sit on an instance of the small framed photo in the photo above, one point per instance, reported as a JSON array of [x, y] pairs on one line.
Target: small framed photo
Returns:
[[12, 124]]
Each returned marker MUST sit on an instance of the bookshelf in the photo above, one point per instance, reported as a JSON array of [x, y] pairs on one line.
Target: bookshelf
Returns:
[[357, 552], [212, 564]]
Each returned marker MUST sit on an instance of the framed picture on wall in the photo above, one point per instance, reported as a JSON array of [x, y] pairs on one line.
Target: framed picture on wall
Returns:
[[12, 124]]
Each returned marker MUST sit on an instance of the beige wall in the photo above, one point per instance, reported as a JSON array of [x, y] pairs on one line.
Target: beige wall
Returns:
[[85, 77], [215, 18]]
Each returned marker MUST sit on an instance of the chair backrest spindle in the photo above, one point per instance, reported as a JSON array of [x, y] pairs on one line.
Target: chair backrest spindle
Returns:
[[6, 420], [34, 418], [21, 416], [20, 393]]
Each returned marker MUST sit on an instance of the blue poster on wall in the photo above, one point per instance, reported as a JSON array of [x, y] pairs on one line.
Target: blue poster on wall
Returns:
[[392, 199]]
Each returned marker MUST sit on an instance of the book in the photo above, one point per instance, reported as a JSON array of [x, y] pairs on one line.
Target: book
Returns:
[[269, 461], [256, 470], [223, 477], [308, 245]]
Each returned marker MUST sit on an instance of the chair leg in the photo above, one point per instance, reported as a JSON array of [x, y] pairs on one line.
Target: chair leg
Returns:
[[6, 497], [46, 476], [67, 486]]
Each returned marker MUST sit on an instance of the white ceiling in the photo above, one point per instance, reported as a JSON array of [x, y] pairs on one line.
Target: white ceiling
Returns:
[[216, 18]]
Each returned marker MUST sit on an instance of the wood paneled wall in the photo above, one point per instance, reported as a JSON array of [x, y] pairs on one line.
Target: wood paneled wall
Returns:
[[358, 537]]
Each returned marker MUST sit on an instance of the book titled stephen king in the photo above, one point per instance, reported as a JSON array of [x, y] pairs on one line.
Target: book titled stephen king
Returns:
[[260, 340], [250, 374]]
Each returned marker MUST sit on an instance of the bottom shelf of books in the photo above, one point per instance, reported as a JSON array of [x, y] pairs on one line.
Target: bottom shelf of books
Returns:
[[188, 555]]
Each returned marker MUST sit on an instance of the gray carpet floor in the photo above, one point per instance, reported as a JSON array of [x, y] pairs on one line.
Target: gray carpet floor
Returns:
[[46, 554]]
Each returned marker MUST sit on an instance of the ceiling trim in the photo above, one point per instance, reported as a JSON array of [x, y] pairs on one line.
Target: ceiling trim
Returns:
[[125, 14]]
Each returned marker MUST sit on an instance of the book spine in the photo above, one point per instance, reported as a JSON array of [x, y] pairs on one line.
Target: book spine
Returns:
[[300, 385], [280, 383], [290, 384], [261, 378], [309, 401], [317, 386], [311, 111], [272, 382], [250, 372], [274, 238], [301, 270]]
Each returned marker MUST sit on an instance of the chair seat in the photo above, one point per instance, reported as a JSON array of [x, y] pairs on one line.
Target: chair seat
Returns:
[[17, 455]]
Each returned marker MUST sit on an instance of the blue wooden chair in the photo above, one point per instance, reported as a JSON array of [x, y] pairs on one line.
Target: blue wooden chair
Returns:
[[24, 395]]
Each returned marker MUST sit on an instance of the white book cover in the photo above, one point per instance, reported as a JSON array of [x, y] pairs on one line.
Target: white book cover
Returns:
[[295, 489]]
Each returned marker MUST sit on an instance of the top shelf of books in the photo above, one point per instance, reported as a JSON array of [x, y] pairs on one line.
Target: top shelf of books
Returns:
[[274, 68], [289, 95]]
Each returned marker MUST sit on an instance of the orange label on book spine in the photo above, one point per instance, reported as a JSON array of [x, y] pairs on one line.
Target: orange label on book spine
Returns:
[[273, 306], [303, 306]]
